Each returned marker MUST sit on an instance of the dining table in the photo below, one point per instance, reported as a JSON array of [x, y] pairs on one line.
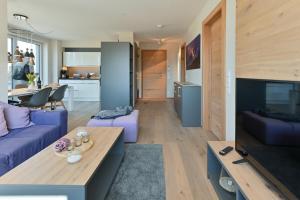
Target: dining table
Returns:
[[28, 91]]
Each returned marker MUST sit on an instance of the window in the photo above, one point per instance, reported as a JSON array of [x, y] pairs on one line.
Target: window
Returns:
[[12, 42], [36, 51]]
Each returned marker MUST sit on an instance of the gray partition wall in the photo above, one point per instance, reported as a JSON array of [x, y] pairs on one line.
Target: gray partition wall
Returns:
[[116, 74]]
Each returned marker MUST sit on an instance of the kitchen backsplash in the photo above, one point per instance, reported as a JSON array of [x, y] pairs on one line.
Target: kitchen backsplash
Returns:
[[84, 71]]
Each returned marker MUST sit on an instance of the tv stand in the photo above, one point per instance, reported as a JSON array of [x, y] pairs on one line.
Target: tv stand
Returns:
[[250, 184]]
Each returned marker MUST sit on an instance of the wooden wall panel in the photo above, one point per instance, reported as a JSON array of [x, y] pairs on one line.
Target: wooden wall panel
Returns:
[[268, 39]]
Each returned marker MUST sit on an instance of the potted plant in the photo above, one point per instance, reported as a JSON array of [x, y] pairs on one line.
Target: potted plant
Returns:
[[31, 80]]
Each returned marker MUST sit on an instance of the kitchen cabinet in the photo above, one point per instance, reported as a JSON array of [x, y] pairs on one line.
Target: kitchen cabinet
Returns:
[[187, 103], [87, 59], [84, 90]]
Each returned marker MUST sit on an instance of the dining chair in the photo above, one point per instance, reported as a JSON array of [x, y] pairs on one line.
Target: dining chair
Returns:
[[57, 96], [39, 99]]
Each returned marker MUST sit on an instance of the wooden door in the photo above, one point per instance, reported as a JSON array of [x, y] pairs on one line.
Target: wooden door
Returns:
[[154, 66], [214, 72]]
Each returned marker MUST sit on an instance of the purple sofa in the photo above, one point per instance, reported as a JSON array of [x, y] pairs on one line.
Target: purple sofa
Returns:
[[129, 122], [271, 131], [21, 144]]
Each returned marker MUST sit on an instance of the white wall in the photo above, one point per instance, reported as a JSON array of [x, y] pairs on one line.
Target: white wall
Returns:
[[55, 60], [126, 37], [81, 44], [230, 58], [172, 62], [3, 52], [85, 43], [194, 29], [196, 75]]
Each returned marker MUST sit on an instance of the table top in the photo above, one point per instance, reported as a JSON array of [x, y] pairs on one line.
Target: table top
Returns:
[[25, 91], [46, 168], [20, 92]]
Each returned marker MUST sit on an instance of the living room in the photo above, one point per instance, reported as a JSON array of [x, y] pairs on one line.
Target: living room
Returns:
[[104, 100]]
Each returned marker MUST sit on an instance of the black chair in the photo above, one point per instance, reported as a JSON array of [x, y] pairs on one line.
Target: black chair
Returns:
[[58, 96], [39, 99]]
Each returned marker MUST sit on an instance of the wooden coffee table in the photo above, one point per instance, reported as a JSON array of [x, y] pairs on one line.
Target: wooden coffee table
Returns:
[[48, 174]]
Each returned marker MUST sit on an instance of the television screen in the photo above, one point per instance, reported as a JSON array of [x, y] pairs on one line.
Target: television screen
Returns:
[[268, 130], [193, 54]]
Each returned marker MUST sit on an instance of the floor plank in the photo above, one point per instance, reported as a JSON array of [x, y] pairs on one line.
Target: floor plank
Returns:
[[81, 114], [185, 159]]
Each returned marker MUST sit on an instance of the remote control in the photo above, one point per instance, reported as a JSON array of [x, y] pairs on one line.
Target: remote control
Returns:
[[239, 161], [226, 150]]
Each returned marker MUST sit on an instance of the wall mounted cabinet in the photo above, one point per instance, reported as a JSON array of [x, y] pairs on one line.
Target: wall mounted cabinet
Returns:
[[88, 59]]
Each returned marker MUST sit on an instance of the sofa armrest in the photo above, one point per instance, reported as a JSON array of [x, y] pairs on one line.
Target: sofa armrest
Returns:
[[57, 117]]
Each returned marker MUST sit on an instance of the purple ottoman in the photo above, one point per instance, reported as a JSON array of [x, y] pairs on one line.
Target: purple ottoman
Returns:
[[102, 123], [130, 123]]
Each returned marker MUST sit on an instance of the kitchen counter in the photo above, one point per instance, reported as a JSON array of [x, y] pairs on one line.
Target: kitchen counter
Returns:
[[79, 79], [84, 89]]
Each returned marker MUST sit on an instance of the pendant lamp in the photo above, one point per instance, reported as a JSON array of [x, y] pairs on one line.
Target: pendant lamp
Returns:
[[27, 54], [17, 51], [31, 55]]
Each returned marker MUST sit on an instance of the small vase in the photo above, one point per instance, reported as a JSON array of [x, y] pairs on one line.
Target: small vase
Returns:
[[31, 86]]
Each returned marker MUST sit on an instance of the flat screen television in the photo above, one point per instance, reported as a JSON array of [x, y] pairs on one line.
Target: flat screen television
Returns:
[[193, 54], [268, 130]]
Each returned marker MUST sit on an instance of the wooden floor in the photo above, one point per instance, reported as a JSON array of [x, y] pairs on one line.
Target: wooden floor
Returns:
[[82, 113], [184, 148]]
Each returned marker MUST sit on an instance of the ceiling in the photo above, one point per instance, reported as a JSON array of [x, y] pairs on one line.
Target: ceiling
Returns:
[[98, 19]]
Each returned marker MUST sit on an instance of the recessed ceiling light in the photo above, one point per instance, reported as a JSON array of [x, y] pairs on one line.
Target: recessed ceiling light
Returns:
[[159, 26]]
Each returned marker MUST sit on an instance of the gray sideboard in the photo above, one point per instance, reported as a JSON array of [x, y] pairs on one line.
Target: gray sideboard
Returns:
[[187, 103]]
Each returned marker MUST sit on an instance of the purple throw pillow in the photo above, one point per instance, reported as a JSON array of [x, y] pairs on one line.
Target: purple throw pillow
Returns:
[[16, 117], [3, 126]]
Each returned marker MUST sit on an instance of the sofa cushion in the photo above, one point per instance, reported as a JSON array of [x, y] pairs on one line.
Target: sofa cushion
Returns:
[[3, 126], [21, 144], [4, 167], [53, 118], [16, 117]]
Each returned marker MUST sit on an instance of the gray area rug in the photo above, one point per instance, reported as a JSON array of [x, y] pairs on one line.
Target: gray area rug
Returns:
[[141, 174]]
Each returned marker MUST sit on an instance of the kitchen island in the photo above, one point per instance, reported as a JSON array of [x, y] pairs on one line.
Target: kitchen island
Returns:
[[84, 89]]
